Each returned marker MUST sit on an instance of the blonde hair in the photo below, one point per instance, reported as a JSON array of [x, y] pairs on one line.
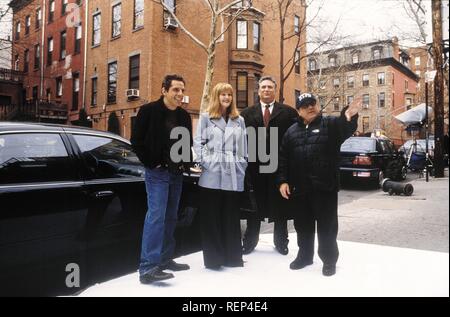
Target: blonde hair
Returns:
[[214, 109]]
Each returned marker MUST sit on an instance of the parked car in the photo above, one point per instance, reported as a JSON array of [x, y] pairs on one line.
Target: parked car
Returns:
[[74, 195], [371, 159]]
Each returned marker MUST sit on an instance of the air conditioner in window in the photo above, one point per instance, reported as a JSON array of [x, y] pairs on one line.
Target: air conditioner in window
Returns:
[[170, 23], [365, 106], [132, 94]]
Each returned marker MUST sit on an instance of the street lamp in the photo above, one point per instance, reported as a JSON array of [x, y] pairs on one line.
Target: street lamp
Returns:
[[429, 77]]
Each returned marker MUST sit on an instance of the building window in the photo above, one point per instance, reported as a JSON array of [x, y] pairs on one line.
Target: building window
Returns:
[[336, 104], [38, 21], [297, 61], [51, 11], [323, 84], [336, 82], [312, 64], [380, 77], [256, 88], [37, 56], [49, 51], [408, 103], [48, 94], [406, 85], [16, 62], [62, 45], [256, 36], [171, 4], [418, 73], [366, 100], [133, 82], [94, 92], [138, 14], [381, 100], [297, 24], [116, 20], [26, 59], [17, 33], [27, 24], [241, 91], [35, 93], [376, 53], [297, 94], [355, 58], [78, 31], [349, 100], [417, 61], [382, 123], [59, 87], [112, 82], [241, 34], [75, 90], [366, 124], [96, 29], [322, 101], [365, 80], [350, 81], [332, 61], [64, 7]]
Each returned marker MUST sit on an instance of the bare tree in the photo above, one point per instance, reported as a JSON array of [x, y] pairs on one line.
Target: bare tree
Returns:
[[222, 17], [416, 10]]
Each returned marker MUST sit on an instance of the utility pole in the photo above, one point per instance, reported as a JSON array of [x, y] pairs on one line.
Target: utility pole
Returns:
[[438, 88]]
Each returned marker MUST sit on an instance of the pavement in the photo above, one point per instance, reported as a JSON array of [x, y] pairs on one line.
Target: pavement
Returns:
[[400, 248]]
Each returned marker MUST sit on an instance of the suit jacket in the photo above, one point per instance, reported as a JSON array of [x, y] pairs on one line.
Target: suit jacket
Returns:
[[269, 201]]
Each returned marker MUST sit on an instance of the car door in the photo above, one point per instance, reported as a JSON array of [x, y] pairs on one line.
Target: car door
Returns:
[[42, 208], [115, 190]]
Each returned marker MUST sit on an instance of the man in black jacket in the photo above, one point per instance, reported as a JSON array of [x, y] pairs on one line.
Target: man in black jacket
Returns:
[[163, 177], [308, 176], [267, 114]]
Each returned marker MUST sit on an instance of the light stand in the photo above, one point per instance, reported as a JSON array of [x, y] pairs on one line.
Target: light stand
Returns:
[[429, 78]]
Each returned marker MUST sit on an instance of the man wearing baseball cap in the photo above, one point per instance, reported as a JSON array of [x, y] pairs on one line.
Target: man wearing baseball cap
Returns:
[[308, 176]]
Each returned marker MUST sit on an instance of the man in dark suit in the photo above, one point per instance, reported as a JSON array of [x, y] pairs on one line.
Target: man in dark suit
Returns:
[[269, 114]]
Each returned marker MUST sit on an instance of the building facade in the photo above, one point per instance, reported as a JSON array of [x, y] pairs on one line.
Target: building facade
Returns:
[[133, 44], [378, 72], [48, 47]]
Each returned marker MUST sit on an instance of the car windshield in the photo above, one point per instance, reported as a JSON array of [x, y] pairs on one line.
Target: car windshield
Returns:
[[357, 144]]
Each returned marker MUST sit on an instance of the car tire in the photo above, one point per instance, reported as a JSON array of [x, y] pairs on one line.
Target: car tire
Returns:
[[377, 181]]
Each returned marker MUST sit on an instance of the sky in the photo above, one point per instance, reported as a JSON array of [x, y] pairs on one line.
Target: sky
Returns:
[[368, 20]]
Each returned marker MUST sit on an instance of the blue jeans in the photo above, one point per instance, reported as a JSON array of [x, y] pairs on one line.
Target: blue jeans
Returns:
[[163, 197]]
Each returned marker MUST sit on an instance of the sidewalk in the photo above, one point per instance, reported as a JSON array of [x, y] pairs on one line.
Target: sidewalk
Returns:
[[375, 269]]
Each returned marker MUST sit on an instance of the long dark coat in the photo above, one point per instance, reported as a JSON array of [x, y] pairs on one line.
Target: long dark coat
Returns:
[[268, 199]]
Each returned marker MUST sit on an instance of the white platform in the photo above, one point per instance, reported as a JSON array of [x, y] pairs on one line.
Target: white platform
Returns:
[[362, 270]]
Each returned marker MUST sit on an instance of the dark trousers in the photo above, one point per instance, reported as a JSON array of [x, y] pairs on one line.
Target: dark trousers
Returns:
[[220, 228], [251, 236], [320, 208]]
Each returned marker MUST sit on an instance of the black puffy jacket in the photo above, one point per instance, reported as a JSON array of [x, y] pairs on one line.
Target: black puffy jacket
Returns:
[[310, 154]]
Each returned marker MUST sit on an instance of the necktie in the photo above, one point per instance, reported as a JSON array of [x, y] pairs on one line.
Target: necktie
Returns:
[[266, 116]]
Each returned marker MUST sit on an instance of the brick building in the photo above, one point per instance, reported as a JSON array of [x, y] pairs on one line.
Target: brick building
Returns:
[[378, 72], [48, 48], [132, 45], [421, 62]]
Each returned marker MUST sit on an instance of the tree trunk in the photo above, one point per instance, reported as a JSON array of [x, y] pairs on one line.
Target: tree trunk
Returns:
[[438, 89], [208, 78]]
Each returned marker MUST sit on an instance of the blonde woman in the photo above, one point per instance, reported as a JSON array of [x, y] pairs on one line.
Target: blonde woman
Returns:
[[221, 149]]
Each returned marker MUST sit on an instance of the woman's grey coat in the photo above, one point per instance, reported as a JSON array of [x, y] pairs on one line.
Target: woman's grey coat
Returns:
[[221, 150]]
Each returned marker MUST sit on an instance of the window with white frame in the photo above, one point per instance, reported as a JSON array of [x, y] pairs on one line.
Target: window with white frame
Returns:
[[417, 60], [241, 34], [381, 78], [96, 29], [138, 14], [116, 20], [350, 81]]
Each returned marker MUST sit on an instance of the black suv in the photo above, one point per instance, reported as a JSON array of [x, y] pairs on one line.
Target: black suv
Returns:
[[74, 198], [371, 159]]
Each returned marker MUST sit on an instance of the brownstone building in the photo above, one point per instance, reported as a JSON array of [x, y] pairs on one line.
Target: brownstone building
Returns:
[[421, 62], [132, 44], [48, 47], [378, 72]]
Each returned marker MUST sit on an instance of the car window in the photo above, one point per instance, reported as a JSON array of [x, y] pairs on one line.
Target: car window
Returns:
[[34, 157], [362, 145], [109, 158], [384, 147]]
